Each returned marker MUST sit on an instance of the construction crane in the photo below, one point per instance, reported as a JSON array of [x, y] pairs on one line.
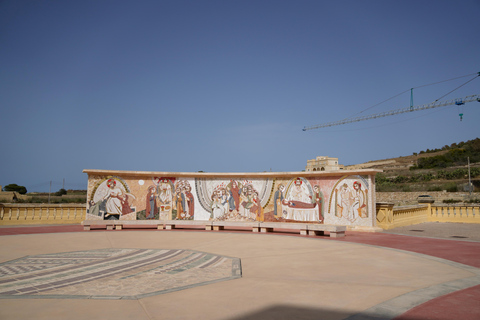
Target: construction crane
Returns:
[[436, 104]]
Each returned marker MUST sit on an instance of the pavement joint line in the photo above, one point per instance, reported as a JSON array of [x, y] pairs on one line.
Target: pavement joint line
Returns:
[[430, 237]]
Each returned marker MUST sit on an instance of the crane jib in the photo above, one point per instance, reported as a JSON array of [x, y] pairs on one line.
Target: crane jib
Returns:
[[436, 104]]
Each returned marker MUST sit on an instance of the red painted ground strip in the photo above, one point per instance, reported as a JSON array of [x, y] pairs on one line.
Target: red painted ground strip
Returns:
[[463, 304]]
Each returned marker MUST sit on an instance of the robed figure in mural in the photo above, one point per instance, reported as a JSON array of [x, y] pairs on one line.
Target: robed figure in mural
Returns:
[[178, 203], [190, 202], [352, 203], [278, 197], [359, 200], [114, 200], [151, 208], [318, 202]]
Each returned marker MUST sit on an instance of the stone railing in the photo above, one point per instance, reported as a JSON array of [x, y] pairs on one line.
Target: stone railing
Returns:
[[464, 214], [19, 214], [389, 217]]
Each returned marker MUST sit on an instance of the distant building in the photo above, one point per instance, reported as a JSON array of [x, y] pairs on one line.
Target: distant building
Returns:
[[323, 164]]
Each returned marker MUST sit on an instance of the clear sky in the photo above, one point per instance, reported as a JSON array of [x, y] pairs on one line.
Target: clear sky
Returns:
[[223, 86]]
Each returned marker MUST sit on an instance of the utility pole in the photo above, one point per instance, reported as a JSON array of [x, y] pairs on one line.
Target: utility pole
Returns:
[[49, 191], [469, 179]]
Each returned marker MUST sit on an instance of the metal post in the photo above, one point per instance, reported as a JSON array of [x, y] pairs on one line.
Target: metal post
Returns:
[[411, 99], [469, 179]]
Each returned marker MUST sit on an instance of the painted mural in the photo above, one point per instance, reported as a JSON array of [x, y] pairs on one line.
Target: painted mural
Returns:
[[332, 200], [349, 201]]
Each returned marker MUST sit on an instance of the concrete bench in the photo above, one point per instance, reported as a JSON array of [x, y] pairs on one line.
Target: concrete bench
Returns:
[[172, 224], [256, 226], [107, 224], [220, 225], [305, 228], [319, 230], [269, 226]]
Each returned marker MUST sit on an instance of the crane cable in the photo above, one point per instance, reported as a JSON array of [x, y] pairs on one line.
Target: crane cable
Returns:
[[425, 85], [478, 75]]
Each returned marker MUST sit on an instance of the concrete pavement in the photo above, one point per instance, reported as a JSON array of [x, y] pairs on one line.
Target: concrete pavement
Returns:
[[361, 276]]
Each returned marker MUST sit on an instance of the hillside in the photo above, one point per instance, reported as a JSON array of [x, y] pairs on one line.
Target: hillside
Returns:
[[430, 170]]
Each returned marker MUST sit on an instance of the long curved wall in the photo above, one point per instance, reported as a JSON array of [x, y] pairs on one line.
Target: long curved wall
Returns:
[[336, 198]]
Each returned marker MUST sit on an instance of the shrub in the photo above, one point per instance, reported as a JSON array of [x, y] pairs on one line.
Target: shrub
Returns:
[[451, 201]]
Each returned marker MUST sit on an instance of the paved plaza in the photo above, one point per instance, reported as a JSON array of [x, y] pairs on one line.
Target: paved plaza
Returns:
[[277, 276]]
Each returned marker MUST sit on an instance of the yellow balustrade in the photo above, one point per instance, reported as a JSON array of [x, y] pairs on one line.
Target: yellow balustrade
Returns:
[[21, 214], [463, 214], [389, 217]]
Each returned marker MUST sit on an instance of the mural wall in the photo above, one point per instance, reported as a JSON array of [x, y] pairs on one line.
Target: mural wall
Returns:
[[338, 200]]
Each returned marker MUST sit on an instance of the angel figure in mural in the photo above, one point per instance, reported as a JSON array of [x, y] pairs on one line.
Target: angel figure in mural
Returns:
[[116, 201], [151, 208]]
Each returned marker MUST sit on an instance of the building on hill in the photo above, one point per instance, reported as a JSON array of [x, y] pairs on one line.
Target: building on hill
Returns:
[[322, 163]]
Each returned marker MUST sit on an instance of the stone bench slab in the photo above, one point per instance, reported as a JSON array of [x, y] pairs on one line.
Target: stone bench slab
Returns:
[[304, 228]]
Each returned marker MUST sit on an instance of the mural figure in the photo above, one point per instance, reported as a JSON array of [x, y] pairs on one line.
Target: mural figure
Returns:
[[256, 209], [218, 210], [231, 199], [235, 192], [343, 203], [151, 207], [299, 203], [359, 200], [110, 201], [351, 201], [277, 201], [164, 196], [183, 201], [114, 198], [190, 201], [318, 202], [178, 203]]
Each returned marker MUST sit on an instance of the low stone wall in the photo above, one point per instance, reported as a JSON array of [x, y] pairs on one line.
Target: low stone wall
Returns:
[[411, 198]]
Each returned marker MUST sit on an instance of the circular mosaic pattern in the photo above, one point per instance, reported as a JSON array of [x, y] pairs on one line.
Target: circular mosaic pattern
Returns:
[[113, 273]]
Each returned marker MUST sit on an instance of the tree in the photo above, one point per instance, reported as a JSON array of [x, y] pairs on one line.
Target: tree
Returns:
[[61, 192], [16, 188]]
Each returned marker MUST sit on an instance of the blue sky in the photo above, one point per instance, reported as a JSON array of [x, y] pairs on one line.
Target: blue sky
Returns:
[[225, 86]]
